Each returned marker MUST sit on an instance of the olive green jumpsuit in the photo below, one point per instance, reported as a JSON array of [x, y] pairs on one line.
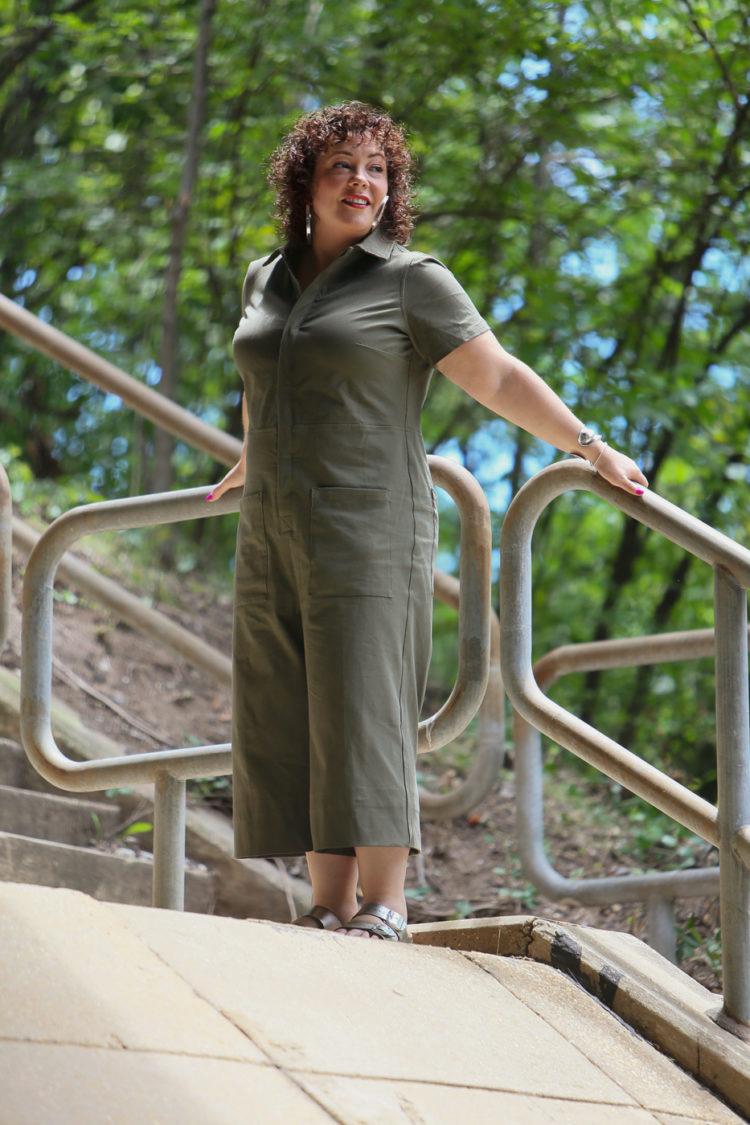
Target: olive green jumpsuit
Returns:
[[335, 546]]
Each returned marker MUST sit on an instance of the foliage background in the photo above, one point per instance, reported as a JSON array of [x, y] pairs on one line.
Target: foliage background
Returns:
[[585, 171]]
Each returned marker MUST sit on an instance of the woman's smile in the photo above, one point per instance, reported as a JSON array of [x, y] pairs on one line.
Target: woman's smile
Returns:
[[349, 184]]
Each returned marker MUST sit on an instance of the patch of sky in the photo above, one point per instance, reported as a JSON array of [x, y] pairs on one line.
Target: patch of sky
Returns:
[[644, 104], [505, 307], [111, 402], [532, 68], [153, 374], [732, 274], [604, 345], [598, 260], [592, 165], [119, 446], [27, 278], [698, 316], [722, 375], [650, 27], [574, 22], [508, 80], [561, 175], [75, 273], [104, 341]]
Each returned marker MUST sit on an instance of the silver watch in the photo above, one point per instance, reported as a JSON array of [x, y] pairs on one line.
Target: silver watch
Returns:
[[588, 436]]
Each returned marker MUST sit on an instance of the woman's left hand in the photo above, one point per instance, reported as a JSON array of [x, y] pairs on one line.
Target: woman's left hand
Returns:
[[621, 471]]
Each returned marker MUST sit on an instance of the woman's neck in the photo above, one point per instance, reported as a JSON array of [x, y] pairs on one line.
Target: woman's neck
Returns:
[[317, 257]]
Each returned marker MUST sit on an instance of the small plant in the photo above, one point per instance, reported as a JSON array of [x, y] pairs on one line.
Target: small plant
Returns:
[[524, 894], [692, 945]]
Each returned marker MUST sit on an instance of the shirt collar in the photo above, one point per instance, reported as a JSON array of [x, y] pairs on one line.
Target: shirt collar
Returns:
[[375, 243]]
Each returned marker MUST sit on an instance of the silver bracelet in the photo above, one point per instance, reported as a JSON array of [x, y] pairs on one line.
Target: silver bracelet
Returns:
[[599, 455]]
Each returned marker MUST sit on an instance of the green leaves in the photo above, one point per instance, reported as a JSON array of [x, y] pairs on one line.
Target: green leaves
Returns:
[[584, 171]]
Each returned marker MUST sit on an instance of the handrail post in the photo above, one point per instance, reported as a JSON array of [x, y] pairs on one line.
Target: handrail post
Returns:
[[6, 558], [169, 841], [733, 784]]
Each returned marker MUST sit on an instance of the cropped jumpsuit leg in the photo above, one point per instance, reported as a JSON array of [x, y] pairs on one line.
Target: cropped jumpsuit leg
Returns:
[[335, 551]]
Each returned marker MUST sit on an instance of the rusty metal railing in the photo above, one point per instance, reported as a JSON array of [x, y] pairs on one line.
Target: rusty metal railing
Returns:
[[731, 566], [169, 770]]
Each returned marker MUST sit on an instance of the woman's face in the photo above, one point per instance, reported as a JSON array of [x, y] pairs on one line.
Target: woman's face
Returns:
[[349, 184]]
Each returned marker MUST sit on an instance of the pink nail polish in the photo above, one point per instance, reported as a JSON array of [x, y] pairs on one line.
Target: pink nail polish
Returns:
[[210, 496], [639, 491]]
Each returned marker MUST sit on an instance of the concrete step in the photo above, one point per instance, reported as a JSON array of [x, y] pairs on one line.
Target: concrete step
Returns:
[[15, 767], [244, 887], [47, 816], [117, 876], [17, 771]]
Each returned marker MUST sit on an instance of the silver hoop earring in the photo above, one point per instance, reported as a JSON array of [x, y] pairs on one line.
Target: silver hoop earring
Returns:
[[308, 223], [379, 214]]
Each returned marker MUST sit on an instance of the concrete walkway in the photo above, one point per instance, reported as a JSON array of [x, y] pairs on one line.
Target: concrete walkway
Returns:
[[125, 1014]]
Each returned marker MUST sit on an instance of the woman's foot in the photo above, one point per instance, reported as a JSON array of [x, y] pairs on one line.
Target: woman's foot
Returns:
[[379, 921], [318, 918]]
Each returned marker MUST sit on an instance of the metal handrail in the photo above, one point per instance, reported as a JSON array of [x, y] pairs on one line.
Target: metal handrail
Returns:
[[484, 772], [731, 564], [152, 405], [227, 450], [169, 769], [130, 608], [6, 558], [655, 888]]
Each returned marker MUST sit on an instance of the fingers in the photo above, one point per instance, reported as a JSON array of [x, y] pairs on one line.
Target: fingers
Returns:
[[235, 478], [621, 471]]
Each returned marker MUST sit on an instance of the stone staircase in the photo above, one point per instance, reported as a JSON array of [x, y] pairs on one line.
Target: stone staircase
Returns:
[[53, 839]]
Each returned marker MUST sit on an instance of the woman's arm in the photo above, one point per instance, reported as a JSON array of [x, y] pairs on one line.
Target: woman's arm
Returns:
[[235, 478], [510, 388]]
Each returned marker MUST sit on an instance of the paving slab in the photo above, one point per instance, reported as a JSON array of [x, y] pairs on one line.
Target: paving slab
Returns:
[[651, 995], [614, 1047], [360, 1101], [372, 1008], [44, 1084], [71, 973], [117, 1013]]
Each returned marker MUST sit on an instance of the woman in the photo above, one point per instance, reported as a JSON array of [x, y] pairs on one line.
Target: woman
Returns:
[[341, 330]]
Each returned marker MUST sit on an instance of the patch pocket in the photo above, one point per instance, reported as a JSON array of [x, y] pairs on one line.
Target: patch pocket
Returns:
[[350, 543], [251, 556]]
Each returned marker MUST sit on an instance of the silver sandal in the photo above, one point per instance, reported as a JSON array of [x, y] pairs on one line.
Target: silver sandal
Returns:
[[323, 918], [391, 927]]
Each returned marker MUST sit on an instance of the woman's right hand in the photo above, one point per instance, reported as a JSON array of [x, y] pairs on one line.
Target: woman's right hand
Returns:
[[235, 478]]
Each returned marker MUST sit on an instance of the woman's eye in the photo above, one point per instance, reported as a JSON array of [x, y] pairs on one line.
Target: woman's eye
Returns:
[[377, 169]]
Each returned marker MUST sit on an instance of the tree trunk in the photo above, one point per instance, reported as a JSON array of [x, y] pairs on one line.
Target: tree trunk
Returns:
[[163, 442]]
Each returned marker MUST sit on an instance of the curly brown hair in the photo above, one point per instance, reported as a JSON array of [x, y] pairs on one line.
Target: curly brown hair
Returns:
[[292, 164]]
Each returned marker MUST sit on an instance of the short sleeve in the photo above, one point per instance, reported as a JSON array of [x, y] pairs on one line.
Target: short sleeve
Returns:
[[439, 313], [248, 284]]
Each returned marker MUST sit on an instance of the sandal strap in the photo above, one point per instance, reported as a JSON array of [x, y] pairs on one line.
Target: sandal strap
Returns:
[[378, 929], [322, 916], [393, 921]]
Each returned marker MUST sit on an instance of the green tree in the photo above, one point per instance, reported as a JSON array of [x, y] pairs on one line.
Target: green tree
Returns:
[[584, 171]]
